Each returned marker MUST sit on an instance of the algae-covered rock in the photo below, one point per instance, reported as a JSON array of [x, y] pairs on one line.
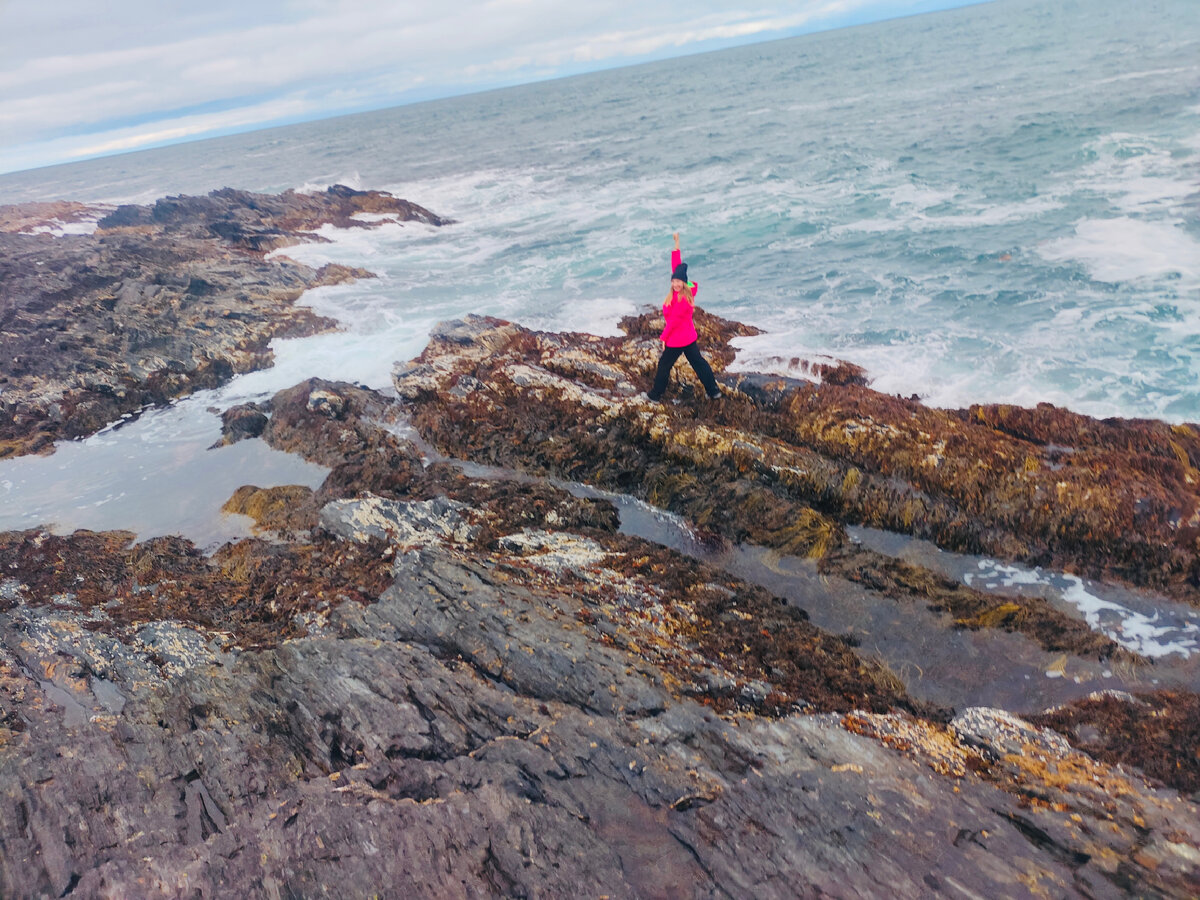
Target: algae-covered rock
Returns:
[[425, 682]]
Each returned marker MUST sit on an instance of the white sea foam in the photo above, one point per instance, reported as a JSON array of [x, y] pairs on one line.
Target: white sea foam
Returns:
[[996, 213], [136, 197], [322, 183], [950, 367], [910, 205], [373, 217], [1177, 72], [1128, 249], [1138, 173], [354, 246], [59, 228], [1167, 630], [598, 315], [920, 197], [352, 356], [823, 105], [873, 226]]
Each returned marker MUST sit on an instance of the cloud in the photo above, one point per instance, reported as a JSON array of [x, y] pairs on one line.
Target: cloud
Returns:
[[79, 78], [171, 130], [646, 41]]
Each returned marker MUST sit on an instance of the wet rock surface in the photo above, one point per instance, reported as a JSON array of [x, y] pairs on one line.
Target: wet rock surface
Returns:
[[158, 302], [788, 464], [418, 681], [423, 683]]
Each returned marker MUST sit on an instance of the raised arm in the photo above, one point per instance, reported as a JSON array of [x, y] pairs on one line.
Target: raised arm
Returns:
[[676, 259]]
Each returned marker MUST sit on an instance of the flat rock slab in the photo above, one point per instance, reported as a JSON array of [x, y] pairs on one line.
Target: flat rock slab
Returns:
[[467, 734]]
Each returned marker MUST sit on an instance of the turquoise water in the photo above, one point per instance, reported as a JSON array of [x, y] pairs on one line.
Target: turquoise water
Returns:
[[995, 203]]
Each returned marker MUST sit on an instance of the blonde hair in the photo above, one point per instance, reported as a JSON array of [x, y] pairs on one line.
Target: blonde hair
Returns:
[[686, 294]]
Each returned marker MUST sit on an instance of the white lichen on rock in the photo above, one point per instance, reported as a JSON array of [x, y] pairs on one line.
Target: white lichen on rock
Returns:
[[403, 524]]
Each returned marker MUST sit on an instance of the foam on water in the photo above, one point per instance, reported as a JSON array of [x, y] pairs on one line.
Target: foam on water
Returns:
[[1166, 630], [1138, 173], [320, 183], [1180, 72], [911, 211], [1126, 249], [598, 315]]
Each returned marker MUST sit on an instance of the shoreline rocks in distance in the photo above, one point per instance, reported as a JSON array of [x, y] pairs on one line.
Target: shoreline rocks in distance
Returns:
[[158, 302], [47, 217]]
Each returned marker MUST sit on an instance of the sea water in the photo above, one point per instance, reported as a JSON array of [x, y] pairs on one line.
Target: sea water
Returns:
[[991, 204]]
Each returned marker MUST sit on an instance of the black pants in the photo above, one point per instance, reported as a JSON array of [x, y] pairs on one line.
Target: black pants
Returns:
[[699, 363]]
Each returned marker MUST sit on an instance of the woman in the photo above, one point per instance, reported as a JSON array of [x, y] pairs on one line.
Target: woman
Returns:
[[679, 335]]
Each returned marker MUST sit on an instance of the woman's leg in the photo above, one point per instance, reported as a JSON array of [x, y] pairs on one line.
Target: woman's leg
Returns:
[[669, 355], [703, 370]]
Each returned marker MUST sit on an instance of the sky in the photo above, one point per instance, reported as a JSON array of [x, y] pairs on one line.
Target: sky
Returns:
[[81, 78]]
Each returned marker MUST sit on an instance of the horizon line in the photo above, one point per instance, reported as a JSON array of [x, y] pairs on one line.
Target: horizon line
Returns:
[[446, 93]]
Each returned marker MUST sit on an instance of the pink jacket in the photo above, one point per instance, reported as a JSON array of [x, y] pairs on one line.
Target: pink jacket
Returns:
[[680, 330]]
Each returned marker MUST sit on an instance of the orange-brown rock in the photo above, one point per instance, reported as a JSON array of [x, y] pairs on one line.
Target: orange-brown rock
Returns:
[[29, 217], [254, 593], [285, 508], [1156, 731], [785, 463]]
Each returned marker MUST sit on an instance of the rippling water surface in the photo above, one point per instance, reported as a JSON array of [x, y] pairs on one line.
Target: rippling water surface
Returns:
[[996, 203]]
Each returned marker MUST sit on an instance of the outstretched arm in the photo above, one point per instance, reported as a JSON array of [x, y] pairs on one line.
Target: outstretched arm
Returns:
[[676, 259]]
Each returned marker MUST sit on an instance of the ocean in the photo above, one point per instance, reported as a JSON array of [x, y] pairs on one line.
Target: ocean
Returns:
[[997, 203]]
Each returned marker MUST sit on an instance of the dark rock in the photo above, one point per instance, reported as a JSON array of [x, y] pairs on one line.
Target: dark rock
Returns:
[[239, 422], [788, 461], [159, 302], [469, 732]]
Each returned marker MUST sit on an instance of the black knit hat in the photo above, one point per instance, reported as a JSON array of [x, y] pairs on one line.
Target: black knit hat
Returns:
[[680, 273]]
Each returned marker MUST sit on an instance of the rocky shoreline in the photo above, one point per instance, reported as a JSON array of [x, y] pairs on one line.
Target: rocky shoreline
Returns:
[[421, 681], [158, 302]]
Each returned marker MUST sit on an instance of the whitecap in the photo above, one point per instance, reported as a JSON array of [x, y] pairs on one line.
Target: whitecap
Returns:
[[1127, 249], [322, 183], [920, 197], [593, 315], [1149, 73]]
